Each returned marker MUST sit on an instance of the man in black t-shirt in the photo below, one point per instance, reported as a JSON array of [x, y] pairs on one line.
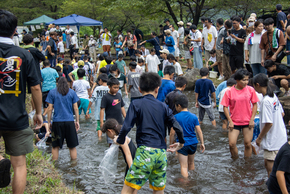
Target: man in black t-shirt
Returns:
[[16, 70], [280, 74], [139, 35], [238, 36], [52, 49]]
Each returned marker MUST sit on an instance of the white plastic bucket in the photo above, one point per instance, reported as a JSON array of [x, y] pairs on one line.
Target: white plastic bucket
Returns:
[[213, 74]]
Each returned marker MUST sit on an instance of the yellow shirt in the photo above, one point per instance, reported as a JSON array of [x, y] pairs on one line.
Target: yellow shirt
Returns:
[[60, 65]]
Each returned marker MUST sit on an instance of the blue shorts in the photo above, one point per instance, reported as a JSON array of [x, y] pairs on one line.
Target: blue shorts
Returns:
[[223, 116], [188, 150], [84, 106]]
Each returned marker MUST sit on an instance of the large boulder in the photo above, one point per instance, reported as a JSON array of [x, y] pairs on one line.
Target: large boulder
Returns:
[[191, 76], [285, 101]]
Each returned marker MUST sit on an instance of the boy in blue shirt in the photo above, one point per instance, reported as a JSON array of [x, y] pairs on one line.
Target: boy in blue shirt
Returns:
[[189, 124], [204, 89], [151, 116], [117, 45], [49, 76], [167, 84]]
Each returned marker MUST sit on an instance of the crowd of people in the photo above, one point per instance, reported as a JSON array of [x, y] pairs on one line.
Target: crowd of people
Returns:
[[245, 55]]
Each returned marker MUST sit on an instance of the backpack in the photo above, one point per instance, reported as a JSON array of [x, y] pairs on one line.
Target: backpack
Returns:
[[130, 41]]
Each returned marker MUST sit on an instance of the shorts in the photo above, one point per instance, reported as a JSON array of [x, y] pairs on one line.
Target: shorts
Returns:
[[44, 96], [84, 106], [223, 116], [18, 143], [236, 62], [270, 155], [98, 126], [106, 48], [187, 55], [240, 127], [219, 56], [64, 130], [188, 150], [149, 163], [209, 111]]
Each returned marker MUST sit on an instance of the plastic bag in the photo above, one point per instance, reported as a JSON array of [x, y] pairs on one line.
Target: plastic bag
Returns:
[[108, 165], [31, 115], [42, 143], [256, 149]]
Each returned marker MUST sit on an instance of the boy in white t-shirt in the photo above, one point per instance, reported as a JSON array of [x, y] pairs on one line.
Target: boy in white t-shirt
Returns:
[[176, 65], [152, 62], [230, 83], [82, 89], [60, 47], [96, 98]]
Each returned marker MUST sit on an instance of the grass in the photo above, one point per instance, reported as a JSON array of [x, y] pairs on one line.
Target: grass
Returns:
[[42, 176]]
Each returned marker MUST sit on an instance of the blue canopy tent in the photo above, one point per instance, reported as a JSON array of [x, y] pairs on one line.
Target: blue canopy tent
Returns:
[[76, 20]]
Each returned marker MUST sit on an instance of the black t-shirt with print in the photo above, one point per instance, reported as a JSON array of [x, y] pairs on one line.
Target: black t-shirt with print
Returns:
[[17, 69], [52, 45], [113, 105], [281, 163], [237, 48]]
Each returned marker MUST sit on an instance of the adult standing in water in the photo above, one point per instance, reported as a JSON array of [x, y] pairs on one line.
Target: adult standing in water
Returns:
[[242, 101]]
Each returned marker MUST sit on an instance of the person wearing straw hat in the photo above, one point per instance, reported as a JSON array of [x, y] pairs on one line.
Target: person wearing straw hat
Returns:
[[181, 38]]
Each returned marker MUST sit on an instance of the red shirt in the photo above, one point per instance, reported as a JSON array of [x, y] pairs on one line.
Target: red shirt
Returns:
[[240, 103]]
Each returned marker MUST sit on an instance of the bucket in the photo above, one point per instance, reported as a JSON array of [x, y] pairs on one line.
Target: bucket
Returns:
[[213, 74]]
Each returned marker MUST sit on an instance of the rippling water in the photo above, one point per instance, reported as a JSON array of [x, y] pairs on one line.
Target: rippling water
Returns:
[[215, 171]]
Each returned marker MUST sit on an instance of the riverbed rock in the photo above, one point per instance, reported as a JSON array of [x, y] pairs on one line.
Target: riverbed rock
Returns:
[[191, 76], [285, 101]]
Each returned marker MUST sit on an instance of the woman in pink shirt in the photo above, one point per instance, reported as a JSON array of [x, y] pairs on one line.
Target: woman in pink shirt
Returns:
[[242, 101]]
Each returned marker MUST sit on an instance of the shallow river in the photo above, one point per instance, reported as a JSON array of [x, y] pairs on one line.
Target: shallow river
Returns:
[[215, 171]]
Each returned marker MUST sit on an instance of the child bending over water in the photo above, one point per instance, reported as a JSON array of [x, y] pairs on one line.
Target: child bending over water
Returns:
[[112, 128]]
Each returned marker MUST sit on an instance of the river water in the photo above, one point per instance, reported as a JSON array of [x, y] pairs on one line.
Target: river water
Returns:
[[215, 171]]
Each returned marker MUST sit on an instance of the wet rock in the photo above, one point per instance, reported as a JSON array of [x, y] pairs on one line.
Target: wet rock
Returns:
[[285, 101], [191, 77]]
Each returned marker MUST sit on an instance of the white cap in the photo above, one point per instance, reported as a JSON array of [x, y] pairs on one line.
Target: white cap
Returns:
[[188, 23], [167, 31], [91, 36], [164, 51], [253, 15], [180, 23]]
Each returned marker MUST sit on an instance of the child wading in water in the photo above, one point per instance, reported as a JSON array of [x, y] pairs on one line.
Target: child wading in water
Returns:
[[151, 117], [112, 128], [189, 123], [242, 100], [96, 98], [273, 131]]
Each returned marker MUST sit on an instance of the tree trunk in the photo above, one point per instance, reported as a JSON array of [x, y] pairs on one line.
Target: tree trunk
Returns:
[[181, 11], [171, 13]]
